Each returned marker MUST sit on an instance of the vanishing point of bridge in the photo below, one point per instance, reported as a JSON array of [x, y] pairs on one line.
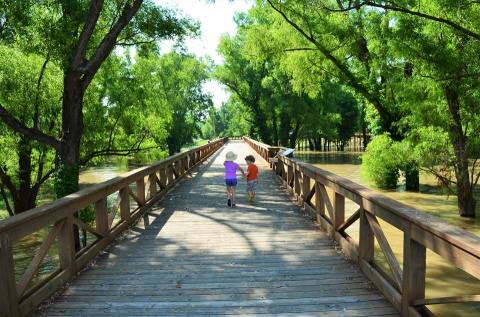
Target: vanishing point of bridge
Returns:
[[169, 246]]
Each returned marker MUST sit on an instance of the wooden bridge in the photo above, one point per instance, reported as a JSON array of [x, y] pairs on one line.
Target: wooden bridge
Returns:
[[176, 249]]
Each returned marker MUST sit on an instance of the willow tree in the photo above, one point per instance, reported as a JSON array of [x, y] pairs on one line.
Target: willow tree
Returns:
[[80, 35]]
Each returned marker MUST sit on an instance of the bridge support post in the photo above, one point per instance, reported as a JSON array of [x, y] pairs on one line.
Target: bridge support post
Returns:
[[124, 204], [367, 243], [319, 203], [101, 217], [414, 270], [141, 190], [339, 210], [66, 247], [8, 287]]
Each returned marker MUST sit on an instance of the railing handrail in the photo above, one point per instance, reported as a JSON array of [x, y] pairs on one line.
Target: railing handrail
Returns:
[[405, 289], [58, 217], [453, 234], [94, 192]]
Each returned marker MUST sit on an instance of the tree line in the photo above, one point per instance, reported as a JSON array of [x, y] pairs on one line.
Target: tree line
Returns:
[[84, 80], [406, 72]]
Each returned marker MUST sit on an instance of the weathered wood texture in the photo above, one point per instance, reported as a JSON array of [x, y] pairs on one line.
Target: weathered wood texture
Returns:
[[403, 287], [20, 297], [191, 255]]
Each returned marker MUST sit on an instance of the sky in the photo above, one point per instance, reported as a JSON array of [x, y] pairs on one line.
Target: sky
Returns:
[[216, 18]]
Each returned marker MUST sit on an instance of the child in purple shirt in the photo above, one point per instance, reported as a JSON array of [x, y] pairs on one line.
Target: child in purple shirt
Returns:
[[231, 176]]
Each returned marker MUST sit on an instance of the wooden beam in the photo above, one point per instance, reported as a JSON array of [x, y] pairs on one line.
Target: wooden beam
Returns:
[[101, 217], [349, 221], [8, 295], [124, 203], [86, 227], [414, 271], [447, 300], [387, 250], [37, 259]]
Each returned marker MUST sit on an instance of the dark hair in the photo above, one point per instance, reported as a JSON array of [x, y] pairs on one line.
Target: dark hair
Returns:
[[250, 158]]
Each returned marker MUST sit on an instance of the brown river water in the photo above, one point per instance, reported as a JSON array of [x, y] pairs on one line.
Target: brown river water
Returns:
[[442, 279]]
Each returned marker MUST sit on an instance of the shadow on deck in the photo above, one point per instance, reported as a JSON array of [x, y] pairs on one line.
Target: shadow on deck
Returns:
[[191, 255]]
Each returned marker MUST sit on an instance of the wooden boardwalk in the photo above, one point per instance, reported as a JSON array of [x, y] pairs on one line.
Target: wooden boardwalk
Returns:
[[194, 256]]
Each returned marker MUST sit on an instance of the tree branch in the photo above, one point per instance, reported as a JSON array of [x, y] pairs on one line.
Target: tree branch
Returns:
[[108, 42], [135, 148], [87, 32], [7, 203], [397, 8], [36, 104], [349, 76], [31, 133]]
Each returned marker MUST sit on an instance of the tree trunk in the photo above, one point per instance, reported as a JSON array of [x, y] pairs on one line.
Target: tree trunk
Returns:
[[412, 178], [24, 198], [67, 176], [466, 202]]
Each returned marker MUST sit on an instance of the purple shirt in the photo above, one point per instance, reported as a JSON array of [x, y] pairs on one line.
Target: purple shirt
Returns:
[[230, 170]]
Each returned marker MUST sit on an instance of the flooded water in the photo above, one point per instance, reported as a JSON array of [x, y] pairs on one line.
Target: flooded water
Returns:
[[25, 248], [443, 279]]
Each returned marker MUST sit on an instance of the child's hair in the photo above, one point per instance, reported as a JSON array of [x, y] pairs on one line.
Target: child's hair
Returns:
[[250, 158]]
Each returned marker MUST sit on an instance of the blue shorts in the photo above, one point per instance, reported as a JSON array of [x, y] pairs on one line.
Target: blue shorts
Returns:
[[231, 182], [252, 185]]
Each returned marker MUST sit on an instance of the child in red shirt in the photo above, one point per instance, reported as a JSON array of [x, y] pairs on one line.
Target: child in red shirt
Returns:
[[252, 177]]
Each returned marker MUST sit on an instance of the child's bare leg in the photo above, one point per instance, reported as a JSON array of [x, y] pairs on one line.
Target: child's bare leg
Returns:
[[233, 195]]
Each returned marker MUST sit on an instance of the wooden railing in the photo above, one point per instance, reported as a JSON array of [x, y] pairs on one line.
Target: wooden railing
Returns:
[[267, 152], [403, 287], [19, 298]]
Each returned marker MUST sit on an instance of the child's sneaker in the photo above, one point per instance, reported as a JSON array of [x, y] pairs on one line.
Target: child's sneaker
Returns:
[[229, 202]]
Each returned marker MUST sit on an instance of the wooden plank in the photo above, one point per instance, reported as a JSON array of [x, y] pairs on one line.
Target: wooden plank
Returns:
[[354, 217], [66, 246], [8, 295], [140, 197], [139, 202], [366, 239], [101, 217], [390, 292], [339, 210], [326, 201], [387, 250], [414, 271], [152, 185], [459, 257], [47, 214], [86, 227], [37, 259], [447, 300], [124, 203]]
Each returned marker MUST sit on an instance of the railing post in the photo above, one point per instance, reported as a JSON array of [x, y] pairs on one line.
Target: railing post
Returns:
[[414, 270], [66, 247], [152, 185], [306, 187], [8, 286], [101, 217], [319, 203], [141, 190], [296, 182], [339, 210], [367, 242], [124, 204]]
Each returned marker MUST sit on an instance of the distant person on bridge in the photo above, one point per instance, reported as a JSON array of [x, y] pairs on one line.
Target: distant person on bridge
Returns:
[[231, 176], [252, 177]]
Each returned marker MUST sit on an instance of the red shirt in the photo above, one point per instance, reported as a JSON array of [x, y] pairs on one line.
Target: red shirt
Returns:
[[252, 170]]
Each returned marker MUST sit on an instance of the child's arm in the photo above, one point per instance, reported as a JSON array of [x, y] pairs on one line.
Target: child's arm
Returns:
[[241, 170]]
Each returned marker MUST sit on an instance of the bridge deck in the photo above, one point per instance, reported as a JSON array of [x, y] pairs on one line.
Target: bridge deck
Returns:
[[194, 256]]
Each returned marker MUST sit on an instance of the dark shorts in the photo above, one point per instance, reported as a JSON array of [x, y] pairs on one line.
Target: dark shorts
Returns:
[[231, 182]]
